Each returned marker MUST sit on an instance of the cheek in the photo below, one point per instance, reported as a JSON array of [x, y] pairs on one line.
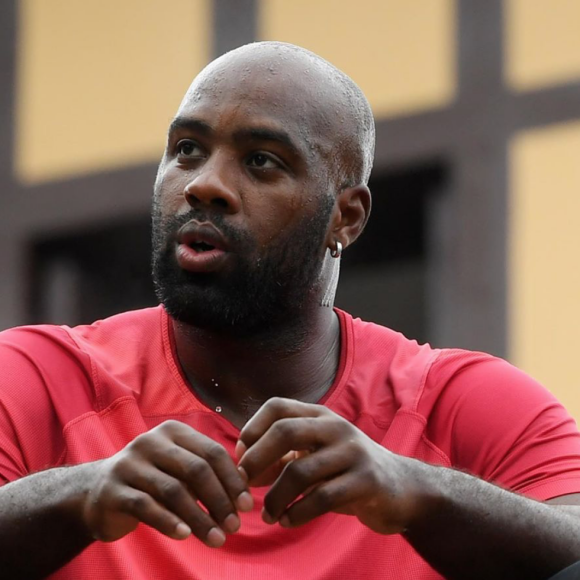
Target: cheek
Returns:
[[168, 193], [273, 219]]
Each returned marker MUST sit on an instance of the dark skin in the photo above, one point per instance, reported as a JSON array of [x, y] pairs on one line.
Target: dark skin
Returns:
[[462, 526], [267, 184]]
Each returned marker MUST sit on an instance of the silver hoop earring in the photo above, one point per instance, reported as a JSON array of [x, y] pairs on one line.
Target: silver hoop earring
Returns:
[[337, 252]]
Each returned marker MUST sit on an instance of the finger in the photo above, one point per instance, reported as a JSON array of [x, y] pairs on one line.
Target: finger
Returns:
[[271, 474], [300, 476], [145, 509], [285, 435], [330, 496], [222, 466], [271, 411], [200, 479], [173, 495]]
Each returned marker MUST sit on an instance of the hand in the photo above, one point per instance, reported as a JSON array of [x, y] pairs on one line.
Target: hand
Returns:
[[158, 479], [324, 464]]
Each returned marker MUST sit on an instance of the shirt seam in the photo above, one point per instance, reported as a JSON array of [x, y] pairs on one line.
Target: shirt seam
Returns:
[[548, 482], [101, 413], [435, 354], [80, 418], [347, 355], [172, 363], [442, 455], [94, 371]]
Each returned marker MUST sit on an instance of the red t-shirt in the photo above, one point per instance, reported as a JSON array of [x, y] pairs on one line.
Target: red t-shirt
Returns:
[[75, 395]]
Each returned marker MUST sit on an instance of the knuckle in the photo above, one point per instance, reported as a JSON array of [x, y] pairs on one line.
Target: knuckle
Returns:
[[325, 498], [340, 427], [215, 452], [138, 444], [351, 447], [170, 491], [284, 429], [119, 464], [277, 403], [173, 453], [298, 474], [167, 427], [196, 469], [133, 503]]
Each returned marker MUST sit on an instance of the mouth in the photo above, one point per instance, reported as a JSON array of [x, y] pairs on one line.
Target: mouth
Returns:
[[201, 247]]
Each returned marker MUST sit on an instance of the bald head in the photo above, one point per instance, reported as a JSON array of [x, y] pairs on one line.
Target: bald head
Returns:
[[333, 115]]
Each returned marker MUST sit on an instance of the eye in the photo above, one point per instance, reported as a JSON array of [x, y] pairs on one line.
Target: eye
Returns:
[[189, 148], [262, 161]]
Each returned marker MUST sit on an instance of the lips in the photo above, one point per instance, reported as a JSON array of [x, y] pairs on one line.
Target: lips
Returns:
[[201, 247]]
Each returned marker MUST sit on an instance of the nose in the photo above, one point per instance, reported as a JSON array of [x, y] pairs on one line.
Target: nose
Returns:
[[214, 186]]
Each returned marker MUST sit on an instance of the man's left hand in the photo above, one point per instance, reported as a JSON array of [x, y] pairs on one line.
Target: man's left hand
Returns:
[[319, 463]]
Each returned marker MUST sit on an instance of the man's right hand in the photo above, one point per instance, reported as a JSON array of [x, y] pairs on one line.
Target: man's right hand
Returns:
[[171, 478]]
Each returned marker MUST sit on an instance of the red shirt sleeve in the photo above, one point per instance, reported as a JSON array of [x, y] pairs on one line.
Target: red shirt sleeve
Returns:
[[39, 382], [495, 421]]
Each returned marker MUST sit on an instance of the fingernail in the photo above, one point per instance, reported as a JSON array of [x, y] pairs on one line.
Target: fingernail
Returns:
[[245, 502], [267, 517], [240, 449], [215, 538], [243, 473], [182, 531], [231, 524], [285, 521]]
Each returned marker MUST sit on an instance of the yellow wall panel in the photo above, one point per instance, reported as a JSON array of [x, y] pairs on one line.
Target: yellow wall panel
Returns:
[[542, 42], [98, 82], [400, 52], [545, 258]]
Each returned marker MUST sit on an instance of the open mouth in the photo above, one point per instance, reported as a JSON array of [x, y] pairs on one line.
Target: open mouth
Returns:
[[201, 247]]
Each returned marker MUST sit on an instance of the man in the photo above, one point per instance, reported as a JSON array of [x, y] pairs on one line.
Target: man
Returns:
[[120, 442]]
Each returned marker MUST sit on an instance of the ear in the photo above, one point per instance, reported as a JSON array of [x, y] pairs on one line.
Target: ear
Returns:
[[351, 212]]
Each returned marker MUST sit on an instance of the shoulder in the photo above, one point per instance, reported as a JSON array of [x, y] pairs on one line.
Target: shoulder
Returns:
[[64, 364], [125, 328], [386, 370], [383, 345], [36, 352], [495, 420], [465, 379]]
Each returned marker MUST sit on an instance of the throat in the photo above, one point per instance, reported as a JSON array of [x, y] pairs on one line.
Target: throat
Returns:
[[235, 378]]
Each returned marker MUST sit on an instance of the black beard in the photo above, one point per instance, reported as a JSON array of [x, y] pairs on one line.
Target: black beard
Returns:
[[261, 291]]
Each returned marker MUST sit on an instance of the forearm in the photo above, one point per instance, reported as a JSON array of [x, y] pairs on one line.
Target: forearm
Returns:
[[40, 527], [469, 528]]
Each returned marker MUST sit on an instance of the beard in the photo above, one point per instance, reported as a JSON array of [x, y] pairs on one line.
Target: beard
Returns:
[[260, 288]]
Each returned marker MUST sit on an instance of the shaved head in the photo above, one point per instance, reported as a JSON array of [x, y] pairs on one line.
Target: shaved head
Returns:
[[272, 146], [334, 115]]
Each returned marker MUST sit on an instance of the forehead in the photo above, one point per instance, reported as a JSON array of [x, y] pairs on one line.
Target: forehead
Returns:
[[280, 92]]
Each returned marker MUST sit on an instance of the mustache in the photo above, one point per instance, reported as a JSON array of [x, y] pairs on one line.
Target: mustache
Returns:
[[171, 225]]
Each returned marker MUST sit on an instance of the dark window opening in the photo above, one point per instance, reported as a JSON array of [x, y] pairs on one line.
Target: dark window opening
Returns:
[[384, 273], [83, 277]]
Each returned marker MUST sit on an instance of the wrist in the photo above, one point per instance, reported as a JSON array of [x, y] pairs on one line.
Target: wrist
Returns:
[[426, 493], [72, 495]]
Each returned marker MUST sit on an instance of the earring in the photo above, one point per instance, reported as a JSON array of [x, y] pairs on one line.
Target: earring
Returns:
[[337, 252]]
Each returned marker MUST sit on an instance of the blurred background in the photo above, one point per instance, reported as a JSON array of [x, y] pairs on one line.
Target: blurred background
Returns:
[[475, 235]]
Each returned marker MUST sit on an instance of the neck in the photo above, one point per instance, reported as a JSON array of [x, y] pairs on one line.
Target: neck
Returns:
[[238, 374]]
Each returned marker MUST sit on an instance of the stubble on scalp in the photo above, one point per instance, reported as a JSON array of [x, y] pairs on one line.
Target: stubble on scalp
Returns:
[[338, 107]]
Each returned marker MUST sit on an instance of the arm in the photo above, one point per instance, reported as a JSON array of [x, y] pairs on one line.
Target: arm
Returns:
[[463, 526], [55, 514]]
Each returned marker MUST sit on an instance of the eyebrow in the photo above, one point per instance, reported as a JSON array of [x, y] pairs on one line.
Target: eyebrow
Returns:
[[246, 134], [267, 134], [189, 125]]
